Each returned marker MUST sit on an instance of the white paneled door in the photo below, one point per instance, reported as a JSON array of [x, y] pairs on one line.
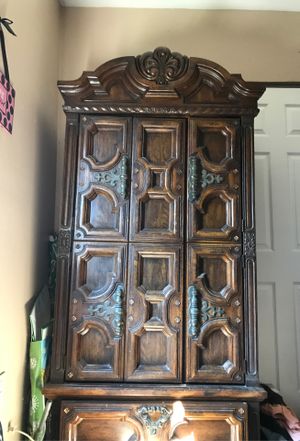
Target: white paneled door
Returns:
[[277, 161]]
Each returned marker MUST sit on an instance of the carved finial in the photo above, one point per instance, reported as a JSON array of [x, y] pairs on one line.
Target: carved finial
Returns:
[[162, 65]]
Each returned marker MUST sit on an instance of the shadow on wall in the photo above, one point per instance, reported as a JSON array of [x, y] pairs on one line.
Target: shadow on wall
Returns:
[[44, 225]]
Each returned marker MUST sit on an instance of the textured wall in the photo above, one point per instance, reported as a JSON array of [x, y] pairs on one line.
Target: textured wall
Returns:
[[27, 197]]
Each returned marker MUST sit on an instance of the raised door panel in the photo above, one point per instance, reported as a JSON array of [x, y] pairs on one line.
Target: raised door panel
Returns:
[[157, 180], [214, 180], [151, 421], [154, 308], [103, 184], [96, 312], [214, 328]]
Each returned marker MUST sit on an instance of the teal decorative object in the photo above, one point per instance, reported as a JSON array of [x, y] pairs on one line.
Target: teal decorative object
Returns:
[[153, 427], [199, 177], [117, 177], [111, 310], [193, 311], [197, 316], [209, 311], [210, 178]]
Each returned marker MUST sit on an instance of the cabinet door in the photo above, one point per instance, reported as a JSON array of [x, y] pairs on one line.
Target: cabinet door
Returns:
[[103, 178], [214, 332], [157, 181], [148, 421], [96, 321], [154, 308], [214, 180]]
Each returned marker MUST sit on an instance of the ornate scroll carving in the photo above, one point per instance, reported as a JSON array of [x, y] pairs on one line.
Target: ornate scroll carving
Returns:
[[111, 310], [117, 177], [144, 413], [249, 244], [162, 65], [64, 242], [199, 177]]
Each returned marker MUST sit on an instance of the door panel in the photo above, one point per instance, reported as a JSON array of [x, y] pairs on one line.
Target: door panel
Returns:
[[103, 178], [277, 181], [214, 328], [213, 180], [153, 420], [154, 314], [158, 180], [95, 338]]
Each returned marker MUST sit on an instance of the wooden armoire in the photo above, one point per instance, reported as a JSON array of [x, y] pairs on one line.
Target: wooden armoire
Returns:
[[155, 325]]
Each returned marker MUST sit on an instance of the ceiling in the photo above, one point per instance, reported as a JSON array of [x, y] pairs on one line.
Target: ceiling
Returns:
[[249, 5]]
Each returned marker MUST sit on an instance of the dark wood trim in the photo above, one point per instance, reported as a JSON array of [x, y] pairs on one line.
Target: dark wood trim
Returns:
[[153, 391], [249, 253], [277, 84], [64, 250], [159, 78]]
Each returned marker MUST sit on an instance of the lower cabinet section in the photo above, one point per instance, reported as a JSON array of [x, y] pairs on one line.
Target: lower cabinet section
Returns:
[[163, 421]]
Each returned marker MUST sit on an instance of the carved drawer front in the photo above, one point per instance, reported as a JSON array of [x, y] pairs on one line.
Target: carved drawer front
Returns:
[[214, 328], [97, 312], [157, 180], [153, 421], [103, 183], [154, 314], [214, 180]]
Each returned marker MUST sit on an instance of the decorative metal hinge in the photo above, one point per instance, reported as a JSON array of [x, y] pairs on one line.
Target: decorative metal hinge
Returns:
[[153, 426], [117, 177], [193, 311], [64, 243], [209, 311], [200, 311], [199, 177], [111, 310]]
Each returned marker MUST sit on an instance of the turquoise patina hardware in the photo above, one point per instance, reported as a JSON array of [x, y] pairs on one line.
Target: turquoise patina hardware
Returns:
[[199, 177], [117, 177], [111, 310], [144, 413], [193, 178], [197, 316], [209, 311], [193, 311]]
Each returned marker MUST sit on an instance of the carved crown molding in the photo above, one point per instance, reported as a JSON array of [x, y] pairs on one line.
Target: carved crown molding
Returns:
[[162, 65], [157, 78]]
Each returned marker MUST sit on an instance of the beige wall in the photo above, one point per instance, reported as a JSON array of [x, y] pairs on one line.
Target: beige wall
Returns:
[[263, 46], [28, 163]]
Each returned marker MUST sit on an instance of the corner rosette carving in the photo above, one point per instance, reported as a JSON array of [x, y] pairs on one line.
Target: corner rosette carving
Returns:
[[162, 65]]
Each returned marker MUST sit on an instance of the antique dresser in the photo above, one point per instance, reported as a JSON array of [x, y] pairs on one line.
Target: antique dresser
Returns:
[[155, 325]]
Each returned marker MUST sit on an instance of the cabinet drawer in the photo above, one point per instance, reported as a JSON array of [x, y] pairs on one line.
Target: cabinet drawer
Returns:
[[163, 421]]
